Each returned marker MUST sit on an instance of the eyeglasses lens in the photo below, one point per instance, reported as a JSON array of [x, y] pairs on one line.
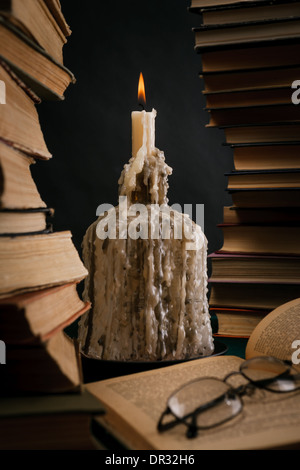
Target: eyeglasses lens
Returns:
[[272, 374], [208, 399]]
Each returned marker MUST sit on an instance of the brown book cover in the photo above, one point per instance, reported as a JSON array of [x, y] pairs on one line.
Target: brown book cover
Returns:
[[48, 78], [35, 316], [37, 262]]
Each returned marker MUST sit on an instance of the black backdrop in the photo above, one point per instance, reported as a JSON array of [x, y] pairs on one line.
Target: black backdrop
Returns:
[[89, 133]]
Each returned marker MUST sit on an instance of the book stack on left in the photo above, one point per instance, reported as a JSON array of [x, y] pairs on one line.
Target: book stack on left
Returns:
[[39, 269]]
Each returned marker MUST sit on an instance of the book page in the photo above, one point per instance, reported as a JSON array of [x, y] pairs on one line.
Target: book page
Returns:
[[134, 405], [278, 334]]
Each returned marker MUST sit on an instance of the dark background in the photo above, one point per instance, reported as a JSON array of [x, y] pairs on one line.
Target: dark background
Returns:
[[89, 134]]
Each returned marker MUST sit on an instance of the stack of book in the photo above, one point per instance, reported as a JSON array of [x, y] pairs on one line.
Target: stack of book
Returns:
[[250, 66], [39, 269]]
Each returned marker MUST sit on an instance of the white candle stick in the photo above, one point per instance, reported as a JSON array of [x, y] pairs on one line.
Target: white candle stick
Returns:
[[143, 131], [143, 125]]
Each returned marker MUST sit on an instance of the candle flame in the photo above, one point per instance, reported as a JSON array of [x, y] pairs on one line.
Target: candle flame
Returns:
[[141, 91]]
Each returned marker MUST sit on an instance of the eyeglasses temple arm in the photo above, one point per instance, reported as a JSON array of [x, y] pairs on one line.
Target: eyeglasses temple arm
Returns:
[[165, 426]]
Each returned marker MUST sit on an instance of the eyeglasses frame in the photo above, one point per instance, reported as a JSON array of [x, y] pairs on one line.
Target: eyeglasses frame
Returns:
[[237, 392]]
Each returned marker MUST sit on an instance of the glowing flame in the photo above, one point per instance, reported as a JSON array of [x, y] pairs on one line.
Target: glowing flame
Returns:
[[141, 91]]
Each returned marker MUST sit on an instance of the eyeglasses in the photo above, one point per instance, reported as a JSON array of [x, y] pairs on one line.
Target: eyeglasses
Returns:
[[208, 402]]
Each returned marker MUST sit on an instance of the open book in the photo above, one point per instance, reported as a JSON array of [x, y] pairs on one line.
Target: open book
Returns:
[[134, 403]]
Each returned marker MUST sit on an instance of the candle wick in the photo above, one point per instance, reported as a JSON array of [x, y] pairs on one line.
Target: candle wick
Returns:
[[142, 106]]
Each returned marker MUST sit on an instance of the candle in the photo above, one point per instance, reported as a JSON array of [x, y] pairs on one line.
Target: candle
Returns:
[[143, 143], [143, 125], [148, 295]]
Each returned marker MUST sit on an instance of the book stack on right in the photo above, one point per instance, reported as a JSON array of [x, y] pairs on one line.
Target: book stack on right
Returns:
[[250, 66]]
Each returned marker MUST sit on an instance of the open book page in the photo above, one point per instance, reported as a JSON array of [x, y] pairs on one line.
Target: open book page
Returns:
[[278, 334], [134, 405]]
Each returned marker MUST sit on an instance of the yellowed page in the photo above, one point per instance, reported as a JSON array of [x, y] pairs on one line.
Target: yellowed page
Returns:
[[134, 405], [277, 334]]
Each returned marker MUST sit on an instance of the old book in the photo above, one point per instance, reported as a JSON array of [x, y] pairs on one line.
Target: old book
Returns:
[[56, 10], [265, 133], [263, 216], [36, 262], [25, 221], [236, 323], [195, 4], [17, 187], [247, 33], [265, 197], [247, 58], [276, 239], [254, 11], [266, 156], [50, 366], [34, 18], [276, 334], [233, 267], [275, 77], [34, 316], [276, 178], [244, 99], [251, 295], [49, 422], [20, 125], [48, 78], [268, 421], [253, 115]]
